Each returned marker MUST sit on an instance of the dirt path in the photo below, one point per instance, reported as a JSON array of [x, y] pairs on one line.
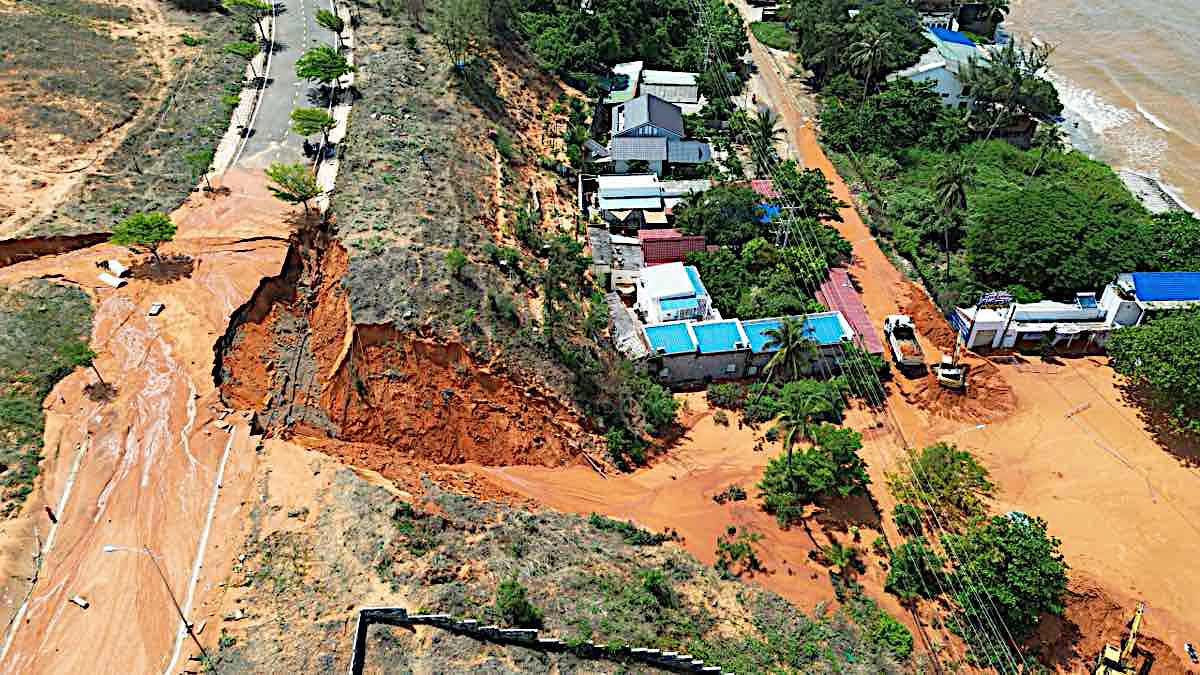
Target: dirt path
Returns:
[[149, 472]]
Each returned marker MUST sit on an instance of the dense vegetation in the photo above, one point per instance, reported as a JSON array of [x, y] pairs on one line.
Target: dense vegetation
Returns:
[[580, 44], [44, 329], [1163, 356], [830, 468]]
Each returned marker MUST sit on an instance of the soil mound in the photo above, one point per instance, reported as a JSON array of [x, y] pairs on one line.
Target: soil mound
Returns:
[[987, 396], [928, 320]]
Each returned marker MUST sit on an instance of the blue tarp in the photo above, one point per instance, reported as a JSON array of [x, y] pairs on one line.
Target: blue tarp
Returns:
[[951, 36], [767, 212], [717, 337], [1154, 286], [671, 337]]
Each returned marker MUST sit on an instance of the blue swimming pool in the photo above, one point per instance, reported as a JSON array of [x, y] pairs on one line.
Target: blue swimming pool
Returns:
[[717, 337], [826, 329]]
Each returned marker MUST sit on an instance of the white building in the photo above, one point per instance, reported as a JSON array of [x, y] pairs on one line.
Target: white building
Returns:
[[671, 292], [941, 65], [682, 89]]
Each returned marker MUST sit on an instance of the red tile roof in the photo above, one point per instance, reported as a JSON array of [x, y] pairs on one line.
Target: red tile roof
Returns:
[[665, 233], [764, 187], [661, 251], [838, 293]]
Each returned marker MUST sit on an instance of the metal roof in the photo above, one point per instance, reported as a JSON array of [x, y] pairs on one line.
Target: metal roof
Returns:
[[688, 152], [662, 233], [649, 109], [671, 338], [668, 281], [682, 188], [636, 191], [624, 79], [629, 203], [837, 292], [633, 147], [1158, 286], [667, 250], [668, 77], [719, 336]]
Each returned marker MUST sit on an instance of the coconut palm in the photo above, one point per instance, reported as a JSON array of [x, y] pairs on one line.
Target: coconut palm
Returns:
[[800, 412], [866, 54], [763, 131], [794, 351], [1047, 138], [950, 186]]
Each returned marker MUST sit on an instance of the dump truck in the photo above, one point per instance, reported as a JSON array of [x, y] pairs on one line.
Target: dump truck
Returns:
[[902, 340]]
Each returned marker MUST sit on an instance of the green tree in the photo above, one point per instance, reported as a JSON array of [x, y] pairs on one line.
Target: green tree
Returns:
[[762, 132], [144, 230], [944, 477], [332, 22], [199, 162], [1162, 355], [1012, 562], [309, 121], [794, 351], [727, 215], [513, 608], [866, 54], [1009, 83], [460, 26], [323, 64], [246, 50], [914, 571], [257, 10], [456, 260], [293, 183], [830, 468], [796, 419], [1047, 138], [842, 558], [735, 548], [1174, 242], [809, 191], [950, 186]]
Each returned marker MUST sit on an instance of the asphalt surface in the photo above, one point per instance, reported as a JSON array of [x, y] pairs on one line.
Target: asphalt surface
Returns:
[[296, 30]]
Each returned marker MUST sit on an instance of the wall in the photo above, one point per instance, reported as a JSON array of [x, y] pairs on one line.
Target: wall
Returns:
[[694, 367], [945, 83]]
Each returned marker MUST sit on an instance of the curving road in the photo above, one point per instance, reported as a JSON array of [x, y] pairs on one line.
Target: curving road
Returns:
[[271, 138]]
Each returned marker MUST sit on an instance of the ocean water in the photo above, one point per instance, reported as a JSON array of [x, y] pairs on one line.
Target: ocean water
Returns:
[[1128, 72]]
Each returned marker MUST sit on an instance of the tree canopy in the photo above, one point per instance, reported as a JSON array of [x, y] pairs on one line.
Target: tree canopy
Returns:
[[580, 45], [945, 478], [915, 571], [1163, 355], [827, 37], [309, 121], [830, 468], [1013, 562], [144, 230], [322, 64], [902, 114], [293, 183]]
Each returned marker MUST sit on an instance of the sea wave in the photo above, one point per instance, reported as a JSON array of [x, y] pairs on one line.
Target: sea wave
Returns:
[[1151, 118], [1089, 106], [1111, 131]]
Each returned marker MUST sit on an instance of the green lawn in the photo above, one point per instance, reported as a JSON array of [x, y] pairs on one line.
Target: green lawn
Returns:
[[774, 34]]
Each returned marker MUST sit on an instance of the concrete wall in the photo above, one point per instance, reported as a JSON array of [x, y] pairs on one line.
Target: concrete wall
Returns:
[[695, 367], [945, 83]]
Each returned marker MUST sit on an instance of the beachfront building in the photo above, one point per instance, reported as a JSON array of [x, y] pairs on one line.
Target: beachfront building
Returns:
[[1083, 325], [649, 129], [941, 65], [630, 202], [682, 89], [693, 352], [671, 292]]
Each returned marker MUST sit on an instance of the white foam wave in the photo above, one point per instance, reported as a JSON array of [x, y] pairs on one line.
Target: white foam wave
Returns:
[[1099, 114], [1151, 118]]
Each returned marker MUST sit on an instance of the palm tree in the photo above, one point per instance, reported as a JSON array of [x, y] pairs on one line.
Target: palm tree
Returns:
[[1047, 138], [799, 413], [950, 187], [794, 350], [763, 130], [866, 54]]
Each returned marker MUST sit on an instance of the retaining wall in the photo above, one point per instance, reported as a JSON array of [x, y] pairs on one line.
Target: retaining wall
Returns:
[[521, 637]]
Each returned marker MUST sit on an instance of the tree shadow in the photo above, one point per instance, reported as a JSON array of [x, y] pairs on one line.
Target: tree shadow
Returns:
[[840, 513], [171, 268], [1184, 446], [100, 392]]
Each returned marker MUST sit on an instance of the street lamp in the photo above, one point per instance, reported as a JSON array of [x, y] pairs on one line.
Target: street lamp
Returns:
[[112, 548]]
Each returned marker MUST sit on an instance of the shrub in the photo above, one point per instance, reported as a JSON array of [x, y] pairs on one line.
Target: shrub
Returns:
[[882, 628], [632, 534], [456, 260], [733, 493], [625, 449], [721, 418], [728, 395], [513, 608], [908, 518], [735, 548], [915, 570]]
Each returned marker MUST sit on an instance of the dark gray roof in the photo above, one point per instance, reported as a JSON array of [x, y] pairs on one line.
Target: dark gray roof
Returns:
[[595, 148], [646, 148], [688, 152], [650, 109]]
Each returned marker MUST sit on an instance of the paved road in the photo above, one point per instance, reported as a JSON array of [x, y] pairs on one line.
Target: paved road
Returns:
[[296, 30]]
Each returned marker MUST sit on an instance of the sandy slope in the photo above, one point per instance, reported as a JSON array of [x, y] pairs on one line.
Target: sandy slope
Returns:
[[147, 462]]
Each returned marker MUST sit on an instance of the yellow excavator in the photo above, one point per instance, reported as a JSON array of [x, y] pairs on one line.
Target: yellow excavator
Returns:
[[1116, 660], [951, 372]]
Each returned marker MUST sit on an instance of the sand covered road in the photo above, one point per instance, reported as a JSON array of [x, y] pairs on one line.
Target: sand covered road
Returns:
[[141, 470]]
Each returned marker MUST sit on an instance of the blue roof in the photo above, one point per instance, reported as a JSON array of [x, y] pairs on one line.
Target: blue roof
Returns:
[[670, 337], [767, 212], [694, 277], [1152, 286], [717, 337], [825, 329], [672, 304], [951, 36]]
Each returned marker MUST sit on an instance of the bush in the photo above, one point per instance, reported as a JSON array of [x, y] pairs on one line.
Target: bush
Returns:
[[908, 518], [721, 418], [632, 534], [882, 628], [733, 493], [831, 467], [514, 608], [625, 449], [915, 570], [729, 395], [735, 548], [773, 34]]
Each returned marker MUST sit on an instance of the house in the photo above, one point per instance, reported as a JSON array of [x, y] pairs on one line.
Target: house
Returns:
[[684, 351], [629, 202], [663, 246], [671, 292], [681, 89], [649, 129], [623, 82], [1083, 325], [617, 257], [941, 65]]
